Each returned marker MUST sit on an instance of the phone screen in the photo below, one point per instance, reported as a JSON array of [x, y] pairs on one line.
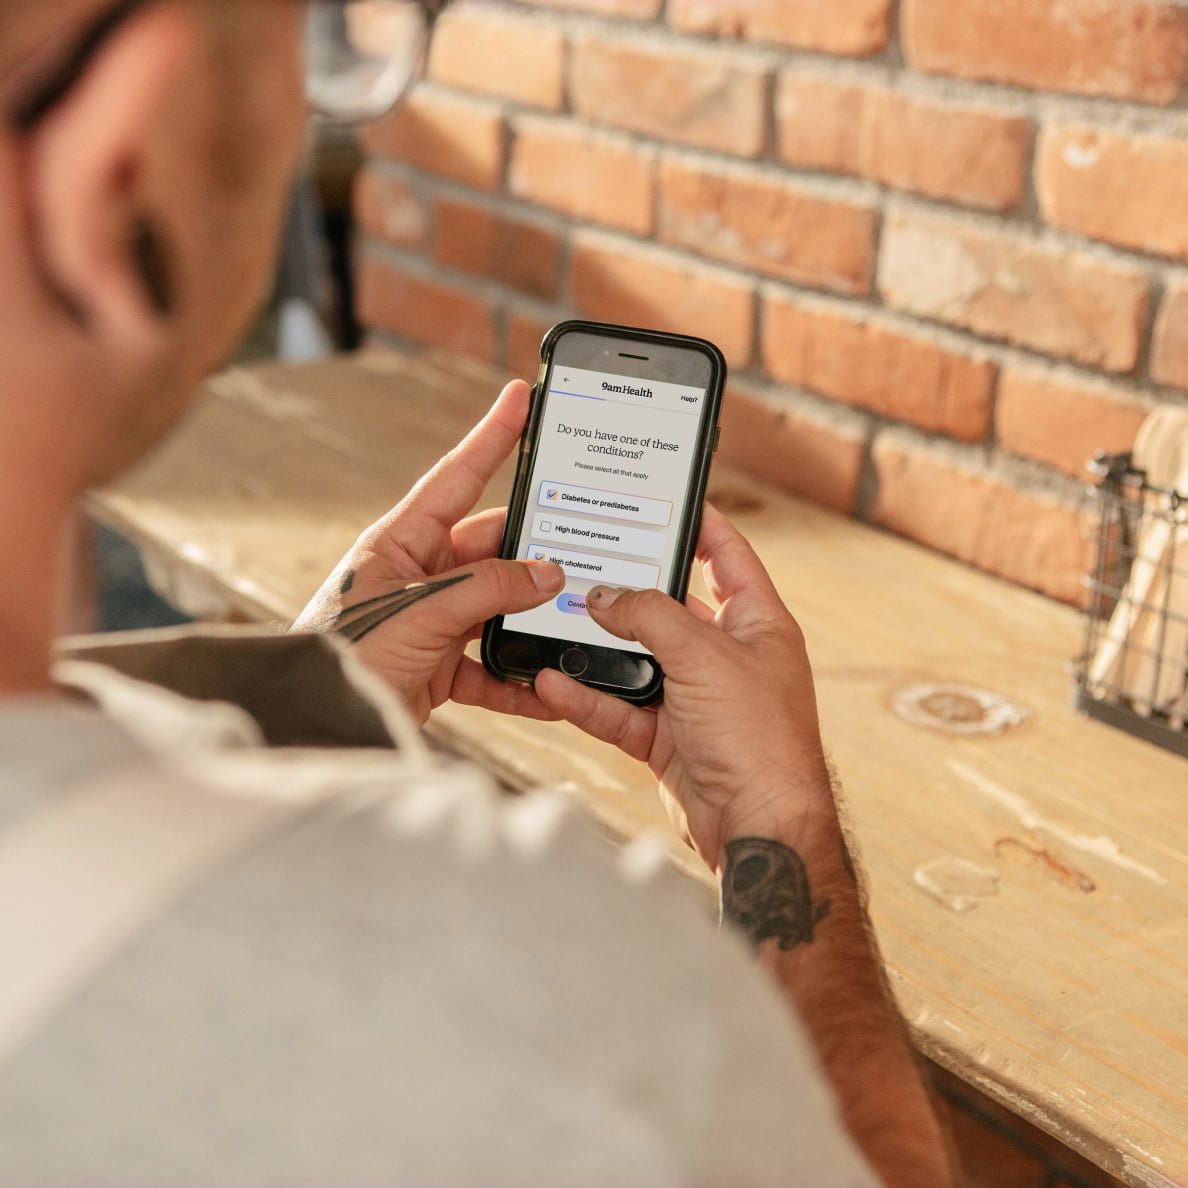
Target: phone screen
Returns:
[[609, 493]]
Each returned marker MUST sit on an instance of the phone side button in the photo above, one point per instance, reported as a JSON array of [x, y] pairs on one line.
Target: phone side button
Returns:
[[717, 437], [574, 662]]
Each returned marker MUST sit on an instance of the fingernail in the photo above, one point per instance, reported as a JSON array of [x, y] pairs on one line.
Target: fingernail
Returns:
[[604, 597], [546, 575]]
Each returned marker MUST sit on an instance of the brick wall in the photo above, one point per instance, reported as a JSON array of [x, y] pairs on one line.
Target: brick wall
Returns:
[[943, 243]]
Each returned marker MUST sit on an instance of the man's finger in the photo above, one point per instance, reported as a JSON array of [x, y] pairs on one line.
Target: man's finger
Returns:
[[631, 729], [701, 611], [457, 482], [474, 685], [733, 572], [479, 537]]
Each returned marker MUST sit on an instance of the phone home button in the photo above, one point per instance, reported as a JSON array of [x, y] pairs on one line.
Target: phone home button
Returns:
[[574, 662]]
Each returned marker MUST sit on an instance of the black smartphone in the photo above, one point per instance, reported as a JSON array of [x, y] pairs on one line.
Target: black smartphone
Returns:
[[610, 483]]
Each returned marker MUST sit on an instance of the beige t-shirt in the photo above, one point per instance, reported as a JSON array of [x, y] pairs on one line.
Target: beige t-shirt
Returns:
[[406, 979]]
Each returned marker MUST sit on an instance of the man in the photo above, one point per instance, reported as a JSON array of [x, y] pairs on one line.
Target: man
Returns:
[[225, 963]]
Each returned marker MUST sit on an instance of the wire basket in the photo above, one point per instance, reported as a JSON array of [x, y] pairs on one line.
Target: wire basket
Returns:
[[1133, 672]]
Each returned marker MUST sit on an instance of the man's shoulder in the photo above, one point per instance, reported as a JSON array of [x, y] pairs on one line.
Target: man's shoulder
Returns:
[[396, 968]]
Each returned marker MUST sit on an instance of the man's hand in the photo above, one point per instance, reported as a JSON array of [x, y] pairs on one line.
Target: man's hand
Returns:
[[737, 750], [735, 744], [418, 586]]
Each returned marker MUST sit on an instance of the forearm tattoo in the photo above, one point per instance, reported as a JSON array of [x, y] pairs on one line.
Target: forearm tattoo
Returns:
[[766, 893], [359, 621]]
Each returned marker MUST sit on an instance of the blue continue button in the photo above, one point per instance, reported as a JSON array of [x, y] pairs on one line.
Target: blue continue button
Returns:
[[573, 604]]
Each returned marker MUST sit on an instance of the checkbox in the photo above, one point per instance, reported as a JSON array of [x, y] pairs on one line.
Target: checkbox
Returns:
[[546, 525]]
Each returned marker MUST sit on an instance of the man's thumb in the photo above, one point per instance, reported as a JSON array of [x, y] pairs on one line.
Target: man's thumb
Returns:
[[451, 604], [503, 588], [661, 624]]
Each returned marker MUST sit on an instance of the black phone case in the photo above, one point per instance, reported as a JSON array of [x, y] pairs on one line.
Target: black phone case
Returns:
[[699, 478]]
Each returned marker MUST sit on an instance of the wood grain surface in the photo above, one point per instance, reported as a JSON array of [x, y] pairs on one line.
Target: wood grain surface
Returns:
[[1029, 887]]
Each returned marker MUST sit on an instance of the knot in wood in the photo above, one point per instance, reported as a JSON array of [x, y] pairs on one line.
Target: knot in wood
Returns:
[[957, 709], [950, 706]]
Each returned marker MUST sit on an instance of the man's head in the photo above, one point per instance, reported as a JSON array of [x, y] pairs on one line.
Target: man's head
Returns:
[[139, 214]]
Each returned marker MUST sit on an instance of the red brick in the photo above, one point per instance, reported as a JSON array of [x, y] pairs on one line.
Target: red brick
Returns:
[[498, 53], [519, 254], [1128, 49], [389, 209], [640, 286], [707, 98], [848, 27], [999, 285], [978, 517], [424, 311], [814, 456], [458, 138], [642, 10], [1127, 190], [1169, 352], [854, 356], [1063, 420], [599, 177], [769, 225], [524, 334], [945, 150]]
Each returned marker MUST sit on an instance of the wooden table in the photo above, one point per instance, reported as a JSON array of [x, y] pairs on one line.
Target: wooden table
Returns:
[[1030, 887]]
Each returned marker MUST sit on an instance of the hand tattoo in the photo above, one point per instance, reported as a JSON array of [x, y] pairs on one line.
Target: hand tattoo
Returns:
[[357, 622], [765, 892]]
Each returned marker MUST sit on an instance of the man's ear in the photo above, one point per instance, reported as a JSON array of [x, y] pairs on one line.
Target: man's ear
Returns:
[[95, 162]]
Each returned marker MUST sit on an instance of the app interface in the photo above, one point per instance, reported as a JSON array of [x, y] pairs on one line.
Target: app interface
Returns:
[[608, 492]]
